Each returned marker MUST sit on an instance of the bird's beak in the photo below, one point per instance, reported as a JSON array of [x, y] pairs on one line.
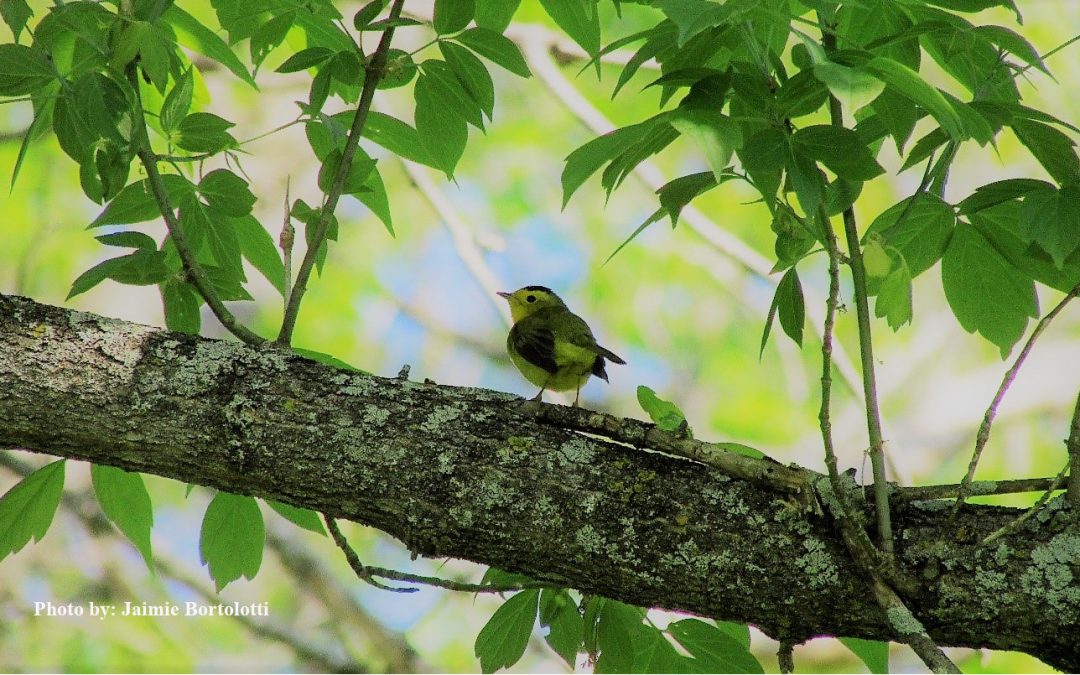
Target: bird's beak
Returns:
[[503, 294]]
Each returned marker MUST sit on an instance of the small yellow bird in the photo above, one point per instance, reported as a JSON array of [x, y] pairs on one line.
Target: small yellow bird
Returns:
[[551, 346]]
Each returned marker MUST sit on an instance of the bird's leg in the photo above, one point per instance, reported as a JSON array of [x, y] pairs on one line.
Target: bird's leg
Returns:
[[540, 394]]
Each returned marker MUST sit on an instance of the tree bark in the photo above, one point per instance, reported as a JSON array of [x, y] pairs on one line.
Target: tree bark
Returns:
[[481, 475]]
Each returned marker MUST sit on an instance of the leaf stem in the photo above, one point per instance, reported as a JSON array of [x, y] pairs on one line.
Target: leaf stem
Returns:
[[194, 270], [373, 74]]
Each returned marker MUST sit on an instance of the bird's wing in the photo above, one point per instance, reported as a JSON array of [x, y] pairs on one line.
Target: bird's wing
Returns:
[[535, 344], [578, 333]]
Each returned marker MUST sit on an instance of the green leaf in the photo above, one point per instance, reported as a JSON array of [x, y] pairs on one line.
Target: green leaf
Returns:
[[616, 627], [692, 16], [716, 134], [452, 15], [304, 59], [899, 116], [840, 149], [791, 306], [178, 102], [854, 88], [374, 197], [359, 170], [205, 132], [1052, 148], [493, 576], [1051, 218], [319, 91], [470, 71], [666, 415], [677, 193], [560, 615], [919, 232], [141, 268], [657, 39], [626, 161], [924, 147], [366, 14], [397, 137], [654, 654], [715, 650], [441, 81], [259, 249], [226, 193], [191, 33], [579, 19], [502, 640], [128, 240], [874, 653], [219, 233], [1014, 43], [305, 518], [496, 48], [23, 70], [16, 13], [788, 302], [232, 538], [27, 509], [383, 24], [985, 292], [894, 296], [739, 631], [807, 180], [587, 160], [999, 224], [269, 36], [181, 302], [766, 150], [992, 194], [443, 135], [136, 203], [495, 14], [909, 84], [125, 501], [157, 54]]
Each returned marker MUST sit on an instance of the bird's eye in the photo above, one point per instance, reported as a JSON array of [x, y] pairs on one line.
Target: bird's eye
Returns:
[[530, 298]]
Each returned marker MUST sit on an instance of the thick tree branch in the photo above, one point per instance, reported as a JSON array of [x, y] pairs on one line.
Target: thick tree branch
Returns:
[[480, 475]]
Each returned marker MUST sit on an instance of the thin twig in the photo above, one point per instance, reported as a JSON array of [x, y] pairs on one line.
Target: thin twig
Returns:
[[866, 345], [368, 574], [354, 560], [983, 434], [374, 72], [285, 241], [1011, 526], [194, 270], [1072, 444], [976, 489]]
